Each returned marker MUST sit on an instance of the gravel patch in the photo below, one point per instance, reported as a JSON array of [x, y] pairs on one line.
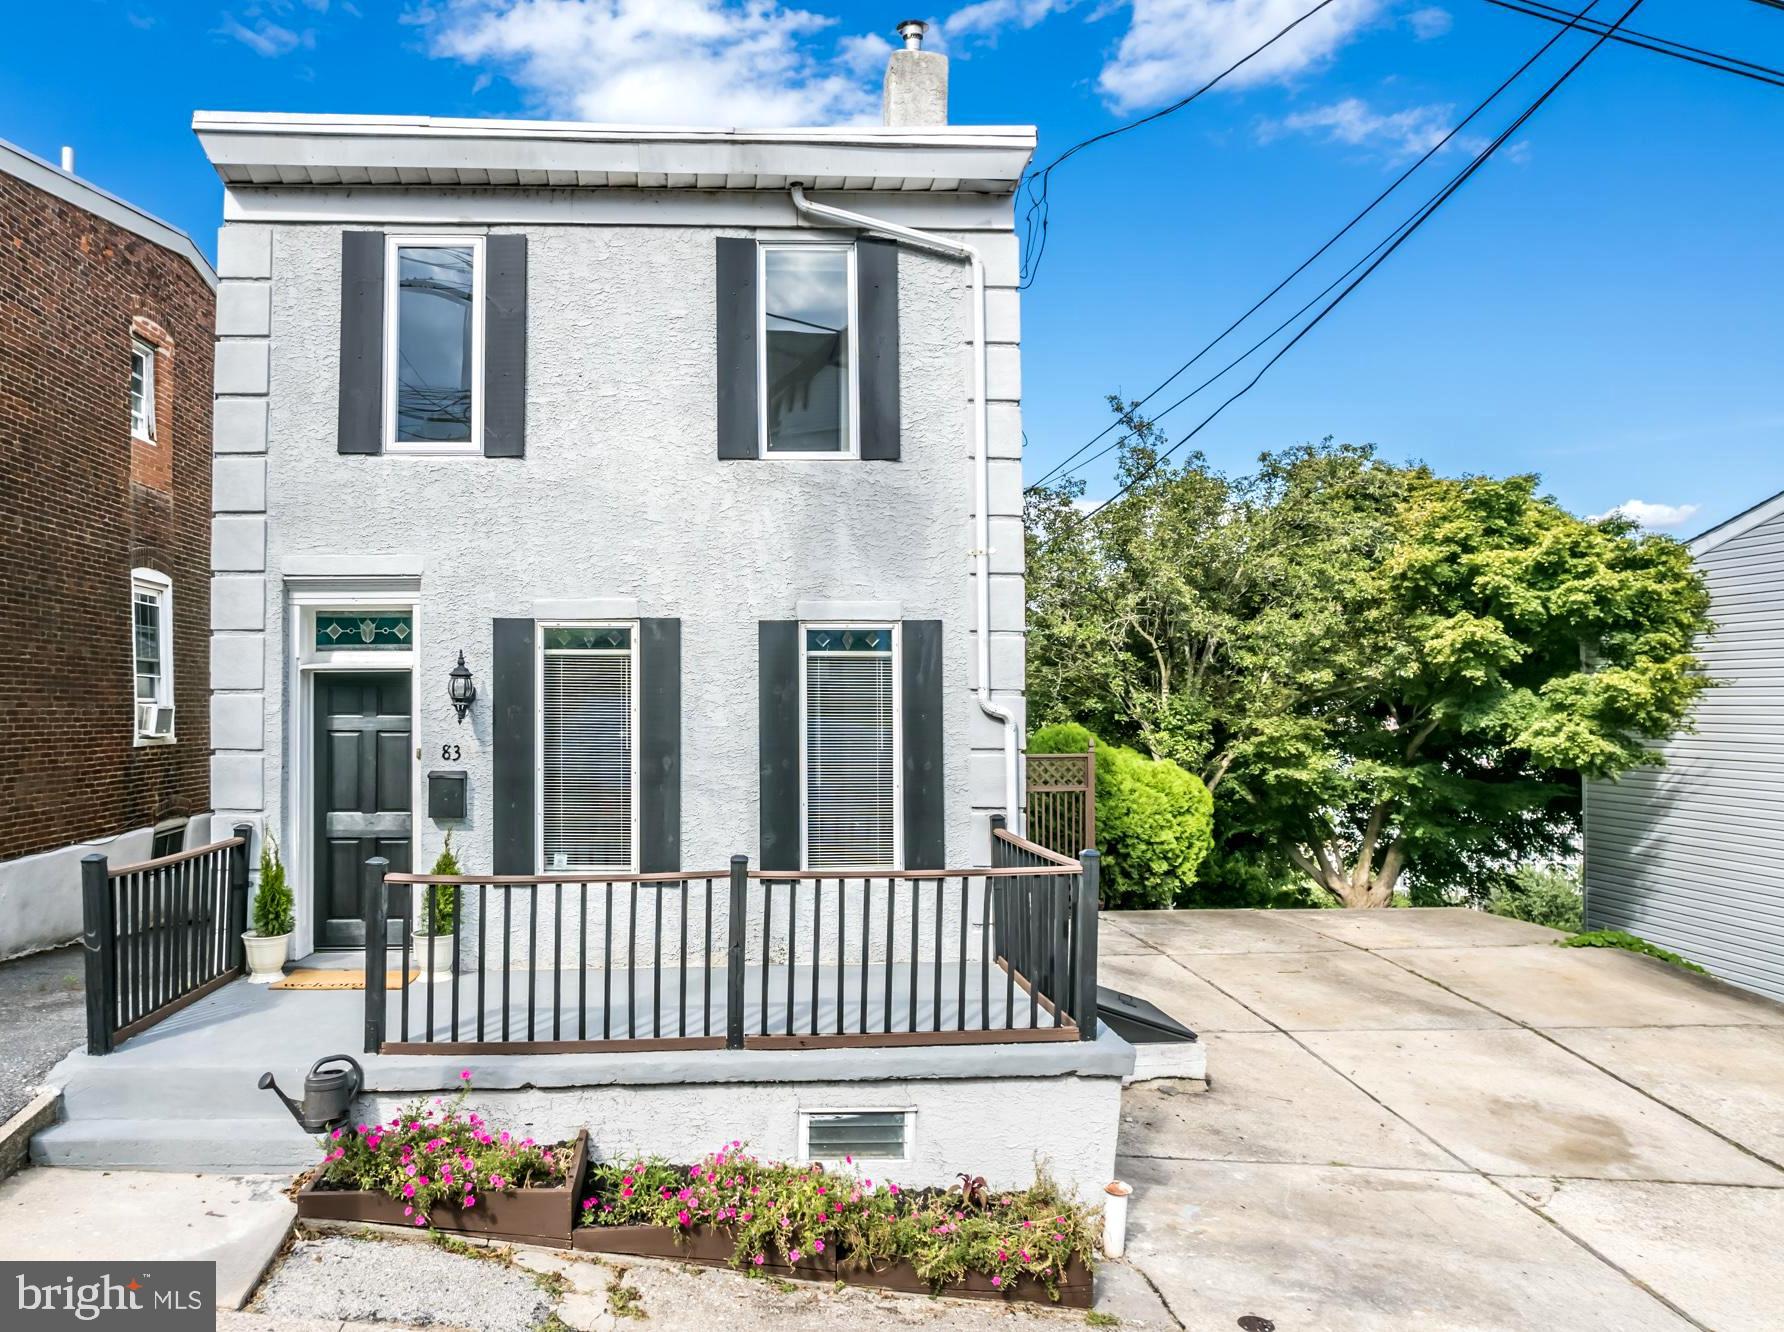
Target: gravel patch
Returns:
[[43, 1015], [397, 1281], [418, 1283]]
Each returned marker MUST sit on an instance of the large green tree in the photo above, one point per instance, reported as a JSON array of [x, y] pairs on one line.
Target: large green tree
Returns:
[[1379, 672]]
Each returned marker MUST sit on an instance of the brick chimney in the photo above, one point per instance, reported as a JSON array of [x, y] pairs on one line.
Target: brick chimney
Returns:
[[916, 81]]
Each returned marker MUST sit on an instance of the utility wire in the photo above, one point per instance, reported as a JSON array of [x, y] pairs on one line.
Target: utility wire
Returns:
[[1306, 264], [1462, 178], [1034, 220], [1666, 46]]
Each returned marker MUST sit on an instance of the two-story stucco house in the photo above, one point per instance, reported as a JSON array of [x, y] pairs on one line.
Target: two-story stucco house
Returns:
[[701, 447], [642, 508]]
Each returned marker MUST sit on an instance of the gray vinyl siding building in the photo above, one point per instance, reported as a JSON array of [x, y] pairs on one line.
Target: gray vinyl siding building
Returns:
[[1690, 856]]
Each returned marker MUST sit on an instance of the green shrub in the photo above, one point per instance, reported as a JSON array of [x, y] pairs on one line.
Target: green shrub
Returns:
[[1541, 894], [1154, 821], [445, 863], [272, 903], [1630, 943]]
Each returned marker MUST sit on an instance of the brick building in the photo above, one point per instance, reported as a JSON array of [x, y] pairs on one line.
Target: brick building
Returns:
[[107, 318]]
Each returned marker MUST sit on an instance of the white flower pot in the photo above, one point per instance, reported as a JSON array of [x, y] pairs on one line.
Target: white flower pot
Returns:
[[439, 949], [266, 956]]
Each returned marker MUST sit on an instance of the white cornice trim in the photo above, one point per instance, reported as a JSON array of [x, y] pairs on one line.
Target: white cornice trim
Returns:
[[83, 194]]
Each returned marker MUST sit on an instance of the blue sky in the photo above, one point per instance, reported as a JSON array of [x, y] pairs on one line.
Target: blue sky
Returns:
[[1603, 304]]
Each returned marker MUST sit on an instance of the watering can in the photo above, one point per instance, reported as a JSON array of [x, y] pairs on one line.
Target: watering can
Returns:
[[328, 1093]]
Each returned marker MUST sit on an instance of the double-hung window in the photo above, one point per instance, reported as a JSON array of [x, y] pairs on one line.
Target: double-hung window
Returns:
[[588, 755], [151, 639], [808, 358], [142, 390], [849, 706], [433, 344]]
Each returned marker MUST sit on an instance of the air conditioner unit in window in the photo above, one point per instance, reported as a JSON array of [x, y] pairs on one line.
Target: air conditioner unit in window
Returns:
[[154, 721]]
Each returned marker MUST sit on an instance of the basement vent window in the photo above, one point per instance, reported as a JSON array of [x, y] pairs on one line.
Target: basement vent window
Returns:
[[865, 1135]]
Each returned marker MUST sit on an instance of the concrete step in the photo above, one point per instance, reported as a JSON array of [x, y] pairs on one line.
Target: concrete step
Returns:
[[108, 1088], [200, 1144]]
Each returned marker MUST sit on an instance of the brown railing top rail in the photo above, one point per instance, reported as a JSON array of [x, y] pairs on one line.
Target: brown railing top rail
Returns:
[[977, 871], [176, 858], [526, 880], [1033, 848]]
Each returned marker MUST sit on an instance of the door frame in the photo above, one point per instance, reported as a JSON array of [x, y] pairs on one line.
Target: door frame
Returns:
[[303, 598]]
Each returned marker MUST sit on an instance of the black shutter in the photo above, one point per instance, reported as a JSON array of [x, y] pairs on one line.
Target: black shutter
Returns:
[[925, 823], [876, 280], [513, 721], [659, 746], [505, 347], [361, 421], [737, 425], [777, 740]]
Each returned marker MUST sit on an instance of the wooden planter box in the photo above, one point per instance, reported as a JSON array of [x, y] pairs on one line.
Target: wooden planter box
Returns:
[[713, 1248], [521, 1216]]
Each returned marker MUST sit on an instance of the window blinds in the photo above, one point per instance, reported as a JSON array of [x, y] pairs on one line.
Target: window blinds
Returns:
[[586, 759], [850, 796]]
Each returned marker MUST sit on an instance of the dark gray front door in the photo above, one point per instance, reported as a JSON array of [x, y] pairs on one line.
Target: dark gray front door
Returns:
[[361, 794]]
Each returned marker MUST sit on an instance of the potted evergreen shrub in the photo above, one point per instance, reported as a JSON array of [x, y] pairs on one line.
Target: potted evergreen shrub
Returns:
[[436, 945], [268, 941]]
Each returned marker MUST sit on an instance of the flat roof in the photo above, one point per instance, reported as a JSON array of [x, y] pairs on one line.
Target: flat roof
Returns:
[[260, 148], [85, 195]]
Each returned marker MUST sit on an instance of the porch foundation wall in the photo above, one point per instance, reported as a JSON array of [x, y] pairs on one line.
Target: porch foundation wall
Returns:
[[1002, 1128]]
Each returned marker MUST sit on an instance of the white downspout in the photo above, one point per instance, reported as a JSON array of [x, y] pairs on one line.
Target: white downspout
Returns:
[[842, 217]]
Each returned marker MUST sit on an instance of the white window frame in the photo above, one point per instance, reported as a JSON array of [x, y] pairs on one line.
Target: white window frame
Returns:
[[854, 441], [144, 348], [539, 628], [393, 246], [897, 632], [910, 1129], [158, 585]]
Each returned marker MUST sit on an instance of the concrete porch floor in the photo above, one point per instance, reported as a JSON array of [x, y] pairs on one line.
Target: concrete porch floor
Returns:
[[1436, 1119]]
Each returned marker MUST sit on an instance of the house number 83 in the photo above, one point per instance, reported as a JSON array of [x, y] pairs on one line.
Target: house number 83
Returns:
[[449, 753]]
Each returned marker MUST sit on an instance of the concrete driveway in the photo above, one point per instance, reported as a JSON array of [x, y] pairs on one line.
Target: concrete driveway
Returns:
[[1437, 1119]]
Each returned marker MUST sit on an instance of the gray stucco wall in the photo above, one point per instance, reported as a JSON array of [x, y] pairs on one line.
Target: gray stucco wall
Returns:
[[1691, 855], [621, 495]]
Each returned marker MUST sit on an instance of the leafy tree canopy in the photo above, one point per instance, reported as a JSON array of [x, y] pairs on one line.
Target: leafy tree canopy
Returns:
[[1377, 670]]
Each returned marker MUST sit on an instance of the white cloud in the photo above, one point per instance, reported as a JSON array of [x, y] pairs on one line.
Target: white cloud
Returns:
[[1429, 23], [1351, 121], [985, 18], [687, 62], [1645, 513], [265, 37], [1173, 47]]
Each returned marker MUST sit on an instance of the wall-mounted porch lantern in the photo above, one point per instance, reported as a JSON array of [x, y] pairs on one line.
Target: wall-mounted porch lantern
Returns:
[[460, 687]]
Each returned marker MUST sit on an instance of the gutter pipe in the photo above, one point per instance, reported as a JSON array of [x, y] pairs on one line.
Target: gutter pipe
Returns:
[[826, 215]]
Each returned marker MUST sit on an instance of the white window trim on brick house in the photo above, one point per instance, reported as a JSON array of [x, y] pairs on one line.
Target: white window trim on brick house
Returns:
[[153, 728], [142, 404]]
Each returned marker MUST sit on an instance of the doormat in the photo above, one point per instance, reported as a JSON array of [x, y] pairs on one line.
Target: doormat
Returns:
[[336, 979]]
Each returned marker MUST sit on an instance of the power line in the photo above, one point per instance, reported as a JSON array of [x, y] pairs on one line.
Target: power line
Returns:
[[1424, 216], [1666, 46], [1035, 218], [1308, 262]]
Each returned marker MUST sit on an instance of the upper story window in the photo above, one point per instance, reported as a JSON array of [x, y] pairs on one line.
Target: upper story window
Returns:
[[808, 358], [151, 636], [433, 344], [849, 701], [142, 390]]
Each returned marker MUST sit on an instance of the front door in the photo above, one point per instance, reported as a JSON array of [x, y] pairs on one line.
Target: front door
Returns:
[[361, 796]]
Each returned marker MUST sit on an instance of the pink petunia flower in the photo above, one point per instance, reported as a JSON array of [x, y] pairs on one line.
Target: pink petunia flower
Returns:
[[758, 1260], [683, 1217], [997, 1281], [465, 1074]]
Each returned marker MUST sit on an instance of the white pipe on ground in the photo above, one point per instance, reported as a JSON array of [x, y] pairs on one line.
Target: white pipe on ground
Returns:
[[841, 217], [1115, 1197]]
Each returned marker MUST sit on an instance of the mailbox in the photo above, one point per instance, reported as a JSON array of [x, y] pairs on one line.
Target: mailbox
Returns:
[[446, 795]]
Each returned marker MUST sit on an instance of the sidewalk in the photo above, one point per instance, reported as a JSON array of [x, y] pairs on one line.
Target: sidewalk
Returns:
[[42, 1017]]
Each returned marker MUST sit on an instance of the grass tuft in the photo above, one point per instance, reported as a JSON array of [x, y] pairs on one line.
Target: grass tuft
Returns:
[[1629, 943]]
